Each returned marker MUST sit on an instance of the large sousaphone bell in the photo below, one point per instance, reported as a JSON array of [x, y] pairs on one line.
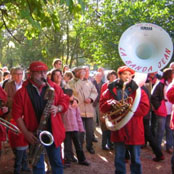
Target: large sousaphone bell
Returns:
[[145, 48]]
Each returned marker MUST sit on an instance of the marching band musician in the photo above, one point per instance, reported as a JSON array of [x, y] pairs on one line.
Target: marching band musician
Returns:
[[29, 103], [3, 110], [131, 135], [19, 147]]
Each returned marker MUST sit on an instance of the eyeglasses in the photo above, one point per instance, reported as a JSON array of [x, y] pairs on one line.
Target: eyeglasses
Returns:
[[19, 74]]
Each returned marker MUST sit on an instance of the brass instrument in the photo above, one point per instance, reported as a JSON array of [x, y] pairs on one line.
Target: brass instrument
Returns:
[[145, 48], [120, 109], [10, 126], [116, 119], [45, 137], [6, 123]]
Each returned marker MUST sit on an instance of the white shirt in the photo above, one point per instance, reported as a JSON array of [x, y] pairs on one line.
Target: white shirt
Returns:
[[18, 86], [168, 104]]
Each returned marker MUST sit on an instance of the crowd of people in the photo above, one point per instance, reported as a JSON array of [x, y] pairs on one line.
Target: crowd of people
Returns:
[[80, 104]]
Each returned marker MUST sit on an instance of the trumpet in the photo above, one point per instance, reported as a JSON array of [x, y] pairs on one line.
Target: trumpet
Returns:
[[9, 125]]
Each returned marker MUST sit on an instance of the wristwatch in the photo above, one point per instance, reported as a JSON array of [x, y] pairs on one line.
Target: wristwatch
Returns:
[[59, 108]]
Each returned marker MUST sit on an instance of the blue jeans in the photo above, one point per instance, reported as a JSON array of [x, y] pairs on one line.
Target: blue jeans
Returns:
[[120, 150], [169, 133], [54, 155], [20, 161], [161, 121]]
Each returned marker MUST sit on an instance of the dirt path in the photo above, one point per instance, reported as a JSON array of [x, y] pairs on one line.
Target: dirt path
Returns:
[[102, 162]]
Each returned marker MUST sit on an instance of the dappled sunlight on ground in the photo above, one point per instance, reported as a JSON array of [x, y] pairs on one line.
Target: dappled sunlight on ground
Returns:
[[102, 162], [103, 158]]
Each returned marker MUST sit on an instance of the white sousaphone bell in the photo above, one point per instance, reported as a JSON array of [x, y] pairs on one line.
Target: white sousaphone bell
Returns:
[[145, 48]]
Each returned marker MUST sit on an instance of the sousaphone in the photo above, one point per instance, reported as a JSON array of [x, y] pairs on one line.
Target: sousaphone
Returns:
[[145, 48]]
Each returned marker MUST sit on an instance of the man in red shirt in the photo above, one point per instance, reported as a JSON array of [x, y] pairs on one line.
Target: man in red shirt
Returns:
[[27, 110], [131, 135]]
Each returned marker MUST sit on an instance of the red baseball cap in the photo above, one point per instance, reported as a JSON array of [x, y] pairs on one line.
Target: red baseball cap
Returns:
[[125, 68], [38, 66]]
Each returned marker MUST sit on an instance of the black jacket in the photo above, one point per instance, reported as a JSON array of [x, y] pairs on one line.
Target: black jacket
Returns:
[[158, 95]]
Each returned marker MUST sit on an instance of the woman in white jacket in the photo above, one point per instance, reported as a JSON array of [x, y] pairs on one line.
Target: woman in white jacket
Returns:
[[86, 93]]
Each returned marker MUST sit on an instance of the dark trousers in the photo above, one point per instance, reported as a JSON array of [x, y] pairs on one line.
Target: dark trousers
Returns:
[[20, 161], [169, 133], [88, 124], [153, 123], [150, 138], [106, 135], [73, 136]]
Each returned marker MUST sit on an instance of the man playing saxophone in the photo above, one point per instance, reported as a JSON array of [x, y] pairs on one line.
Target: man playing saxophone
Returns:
[[29, 104], [131, 135]]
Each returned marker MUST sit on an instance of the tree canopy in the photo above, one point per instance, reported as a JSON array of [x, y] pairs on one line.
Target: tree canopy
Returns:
[[107, 23], [77, 31]]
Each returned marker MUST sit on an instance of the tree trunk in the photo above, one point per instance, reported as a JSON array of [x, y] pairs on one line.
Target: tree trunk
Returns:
[[67, 33]]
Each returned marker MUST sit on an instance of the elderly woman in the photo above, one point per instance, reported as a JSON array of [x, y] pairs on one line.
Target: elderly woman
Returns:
[[86, 93]]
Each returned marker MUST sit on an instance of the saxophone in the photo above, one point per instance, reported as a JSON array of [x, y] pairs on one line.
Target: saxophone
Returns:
[[45, 138]]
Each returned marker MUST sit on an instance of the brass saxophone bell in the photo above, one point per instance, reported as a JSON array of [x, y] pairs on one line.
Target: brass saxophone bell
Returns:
[[46, 138]]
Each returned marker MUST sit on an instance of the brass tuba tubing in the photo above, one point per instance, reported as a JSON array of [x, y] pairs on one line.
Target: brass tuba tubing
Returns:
[[9, 125]]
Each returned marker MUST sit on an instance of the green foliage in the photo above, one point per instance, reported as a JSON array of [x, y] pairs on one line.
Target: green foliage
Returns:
[[77, 31], [100, 37], [37, 27], [35, 15]]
